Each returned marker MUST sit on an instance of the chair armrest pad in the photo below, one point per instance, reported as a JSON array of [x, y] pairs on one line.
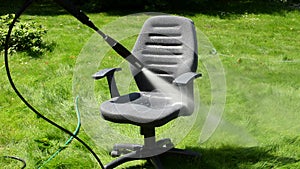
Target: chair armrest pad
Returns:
[[105, 72], [185, 78]]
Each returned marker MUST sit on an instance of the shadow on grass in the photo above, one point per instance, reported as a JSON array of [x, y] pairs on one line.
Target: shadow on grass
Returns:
[[240, 157], [223, 9], [226, 157], [38, 7]]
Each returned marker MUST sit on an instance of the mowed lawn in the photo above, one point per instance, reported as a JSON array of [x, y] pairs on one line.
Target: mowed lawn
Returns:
[[260, 124]]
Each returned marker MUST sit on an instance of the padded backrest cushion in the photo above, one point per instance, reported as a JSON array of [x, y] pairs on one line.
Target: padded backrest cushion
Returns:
[[166, 45]]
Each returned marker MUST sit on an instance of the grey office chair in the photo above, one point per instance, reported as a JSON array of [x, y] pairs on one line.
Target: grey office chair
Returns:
[[167, 47]]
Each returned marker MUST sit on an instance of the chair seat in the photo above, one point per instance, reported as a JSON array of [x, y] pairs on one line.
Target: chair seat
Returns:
[[146, 109]]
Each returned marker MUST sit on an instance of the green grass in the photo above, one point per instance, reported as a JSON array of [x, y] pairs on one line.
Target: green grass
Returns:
[[260, 126]]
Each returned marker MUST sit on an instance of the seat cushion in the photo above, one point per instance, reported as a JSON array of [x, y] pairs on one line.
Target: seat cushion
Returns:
[[146, 109]]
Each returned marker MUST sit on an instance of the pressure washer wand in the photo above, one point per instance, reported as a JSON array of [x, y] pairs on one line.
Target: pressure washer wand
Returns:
[[119, 48]]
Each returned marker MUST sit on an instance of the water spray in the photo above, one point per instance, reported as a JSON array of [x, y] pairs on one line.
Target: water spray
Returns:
[[119, 48]]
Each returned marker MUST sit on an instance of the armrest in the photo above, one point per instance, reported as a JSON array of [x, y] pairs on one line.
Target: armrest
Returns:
[[109, 74], [185, 84], [185, 78], [105, 72]]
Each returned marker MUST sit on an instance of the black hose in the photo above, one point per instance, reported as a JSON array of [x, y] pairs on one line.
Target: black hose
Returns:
[[17, 158], [17, 15]]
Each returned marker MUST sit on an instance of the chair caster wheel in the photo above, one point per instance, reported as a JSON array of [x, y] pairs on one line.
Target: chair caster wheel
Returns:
[[166, 143], [169, 145], [115, 153]]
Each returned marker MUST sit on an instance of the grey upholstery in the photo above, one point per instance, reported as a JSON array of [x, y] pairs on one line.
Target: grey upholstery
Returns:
[[142, 109], [167, 46]]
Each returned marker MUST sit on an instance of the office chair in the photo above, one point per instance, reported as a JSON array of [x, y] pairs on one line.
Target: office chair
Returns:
[[167, 47]]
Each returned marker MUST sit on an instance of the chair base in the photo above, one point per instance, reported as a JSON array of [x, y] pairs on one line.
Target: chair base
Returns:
[[152, 154]]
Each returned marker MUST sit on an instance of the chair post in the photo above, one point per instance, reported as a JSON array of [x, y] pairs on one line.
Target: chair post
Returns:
[[112, 86], [149, 136]]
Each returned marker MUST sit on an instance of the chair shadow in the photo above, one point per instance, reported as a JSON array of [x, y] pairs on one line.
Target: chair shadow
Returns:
[[225, 157]]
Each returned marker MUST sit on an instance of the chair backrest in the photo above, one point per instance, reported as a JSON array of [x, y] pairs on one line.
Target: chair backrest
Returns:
[[167, 46]]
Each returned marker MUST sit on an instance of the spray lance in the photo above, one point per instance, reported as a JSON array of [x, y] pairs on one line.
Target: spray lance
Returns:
[[119, 48]]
